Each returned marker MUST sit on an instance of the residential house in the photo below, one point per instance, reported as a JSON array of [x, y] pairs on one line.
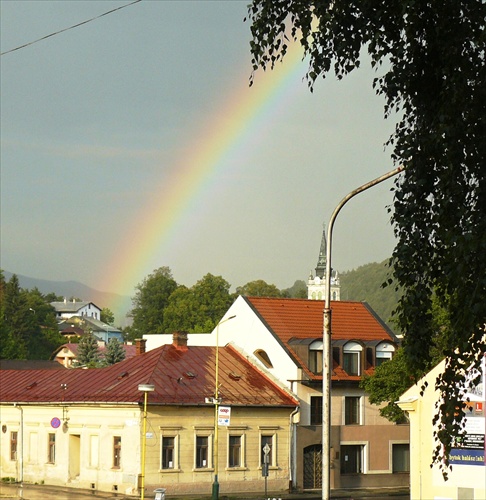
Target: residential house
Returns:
[[69, 308], [80, 325], [467, 476], [83, 428], [67, 354], [284, 337]]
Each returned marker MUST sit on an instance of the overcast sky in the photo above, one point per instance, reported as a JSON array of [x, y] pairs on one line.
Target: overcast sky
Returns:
[[95, 122]]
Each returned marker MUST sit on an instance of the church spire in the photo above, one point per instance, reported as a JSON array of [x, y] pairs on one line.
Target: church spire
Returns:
[[322, 260], [316, 285]]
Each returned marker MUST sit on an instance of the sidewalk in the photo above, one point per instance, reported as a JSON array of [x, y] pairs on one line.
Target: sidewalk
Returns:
[[43, 492]]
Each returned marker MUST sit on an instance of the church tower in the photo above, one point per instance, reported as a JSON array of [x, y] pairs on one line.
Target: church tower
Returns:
[[316, 285]]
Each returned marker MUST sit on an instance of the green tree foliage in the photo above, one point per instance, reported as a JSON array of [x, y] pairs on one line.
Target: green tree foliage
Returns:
[[28, 328], [391, 379], [88, 352], [114, 352], [258, 288], [297, 291], [387, 384], [431, 71], [150, 300], [366, 284], [199, 308], [107, 316]]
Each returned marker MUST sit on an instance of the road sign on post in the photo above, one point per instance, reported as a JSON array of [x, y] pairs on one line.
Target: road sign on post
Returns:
[[266, 451]]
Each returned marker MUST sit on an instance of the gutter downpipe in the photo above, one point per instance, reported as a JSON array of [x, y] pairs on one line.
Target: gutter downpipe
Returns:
[[326, 348], [293, 448]]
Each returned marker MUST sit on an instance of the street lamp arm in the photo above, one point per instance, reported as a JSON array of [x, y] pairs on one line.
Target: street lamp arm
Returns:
[[326, 344], [335, 213]]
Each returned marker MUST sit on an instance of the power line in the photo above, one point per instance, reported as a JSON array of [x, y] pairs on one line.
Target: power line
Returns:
[[70, 28]]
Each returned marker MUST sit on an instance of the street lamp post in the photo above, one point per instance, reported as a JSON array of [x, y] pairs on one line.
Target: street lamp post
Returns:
[[326, 349], [145, 388], [215, 490]]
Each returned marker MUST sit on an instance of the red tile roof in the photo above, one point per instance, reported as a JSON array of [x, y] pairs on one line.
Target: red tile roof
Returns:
[[181, 375], [302, 318], [294, 319]]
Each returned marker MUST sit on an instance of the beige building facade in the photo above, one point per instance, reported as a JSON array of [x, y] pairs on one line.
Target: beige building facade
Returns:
[[467, 477], [84, 428]]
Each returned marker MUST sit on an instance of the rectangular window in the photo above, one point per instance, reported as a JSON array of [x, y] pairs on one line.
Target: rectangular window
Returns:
[[316, 410], [352, 410], [116, 452], [51, 450], [351, 363], [234, 451], [13, 445], [315, 362], [401, 457], [352, 459], [266, 441], [168, 452], [202, 447]]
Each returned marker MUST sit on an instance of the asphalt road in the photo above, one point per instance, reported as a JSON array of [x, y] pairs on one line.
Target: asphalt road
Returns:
[[42, 492]]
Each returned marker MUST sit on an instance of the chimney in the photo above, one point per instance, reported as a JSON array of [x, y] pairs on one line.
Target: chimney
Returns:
[[140, 346], [179, 339]]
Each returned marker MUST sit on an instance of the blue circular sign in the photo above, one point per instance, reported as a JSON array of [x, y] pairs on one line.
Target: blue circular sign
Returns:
[[55, 423]]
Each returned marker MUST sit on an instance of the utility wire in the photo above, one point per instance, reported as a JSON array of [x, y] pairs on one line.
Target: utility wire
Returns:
[[70, 28]]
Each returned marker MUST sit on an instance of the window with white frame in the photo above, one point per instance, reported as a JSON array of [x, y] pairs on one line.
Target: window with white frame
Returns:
[[235, 450], [202, 452], [169, 448], [51, 448], [352, 410], [268, 436], [352, 358], [384, 352], [168, 452], [315, 357]]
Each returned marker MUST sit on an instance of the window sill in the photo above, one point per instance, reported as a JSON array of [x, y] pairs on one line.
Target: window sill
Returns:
[[170, 471], [203, 469], [234, 469]]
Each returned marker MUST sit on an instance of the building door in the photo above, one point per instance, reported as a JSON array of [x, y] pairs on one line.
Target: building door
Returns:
[[313, 466], [74, 456]]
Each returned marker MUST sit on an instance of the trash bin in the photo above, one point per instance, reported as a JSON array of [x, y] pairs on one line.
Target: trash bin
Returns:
[[159, 494]]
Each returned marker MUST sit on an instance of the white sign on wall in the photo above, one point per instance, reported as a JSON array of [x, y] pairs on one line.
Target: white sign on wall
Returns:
[[224, 414]]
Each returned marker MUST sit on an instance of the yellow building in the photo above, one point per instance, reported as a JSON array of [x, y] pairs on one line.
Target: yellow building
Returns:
[[467, 478], [84, 428]]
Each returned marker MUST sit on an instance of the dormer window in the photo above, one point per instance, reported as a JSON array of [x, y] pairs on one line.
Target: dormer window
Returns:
[[352, 358], [315, 357], [384, 352]]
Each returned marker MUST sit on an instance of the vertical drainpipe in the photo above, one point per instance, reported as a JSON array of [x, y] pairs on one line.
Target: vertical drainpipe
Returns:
[[293, 449]]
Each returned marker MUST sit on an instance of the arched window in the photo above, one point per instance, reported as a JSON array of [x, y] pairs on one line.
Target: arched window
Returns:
[[315, 357], [384, 352], [352, 358], [262, 356]]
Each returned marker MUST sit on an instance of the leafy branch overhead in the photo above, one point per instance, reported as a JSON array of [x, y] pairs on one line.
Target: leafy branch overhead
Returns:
[[430, 67]]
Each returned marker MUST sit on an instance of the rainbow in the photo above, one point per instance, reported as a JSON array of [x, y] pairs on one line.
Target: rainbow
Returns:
[[233, 123]]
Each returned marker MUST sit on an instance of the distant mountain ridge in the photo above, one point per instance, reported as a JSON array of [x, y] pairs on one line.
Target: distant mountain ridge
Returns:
[[79, 290]]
